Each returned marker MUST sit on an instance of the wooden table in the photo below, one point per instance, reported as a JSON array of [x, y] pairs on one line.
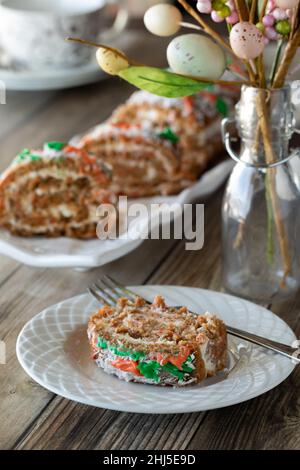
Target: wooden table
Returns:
[[32, 417]]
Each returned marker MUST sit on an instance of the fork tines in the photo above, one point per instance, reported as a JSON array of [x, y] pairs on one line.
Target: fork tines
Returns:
[[106, 290]]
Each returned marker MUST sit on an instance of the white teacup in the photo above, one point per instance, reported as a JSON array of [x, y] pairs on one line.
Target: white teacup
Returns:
[[33, 32]]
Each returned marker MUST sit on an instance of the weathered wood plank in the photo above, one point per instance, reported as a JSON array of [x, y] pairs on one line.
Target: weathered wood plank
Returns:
[[7, 268], [26, 293], [129, 431]]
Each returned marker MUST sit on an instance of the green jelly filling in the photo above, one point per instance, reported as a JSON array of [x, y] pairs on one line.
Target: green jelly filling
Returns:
[[168, 134], [102, 343], [149, 370], [34, 157], [134, 355], [22, 155], [54, 145], [173, 370]]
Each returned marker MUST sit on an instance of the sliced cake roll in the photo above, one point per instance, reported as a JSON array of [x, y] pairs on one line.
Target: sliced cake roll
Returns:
[[54, 191], [157, 344], [196, 120], [144, 163]]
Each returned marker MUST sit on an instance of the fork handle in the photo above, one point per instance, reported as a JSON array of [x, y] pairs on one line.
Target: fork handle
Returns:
[[280, 348]]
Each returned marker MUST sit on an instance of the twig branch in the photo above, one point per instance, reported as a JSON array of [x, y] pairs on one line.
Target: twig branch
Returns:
[[253, 11], [138, 64], [242, 9], [218, 82], [205, 26], [289, 54], [263, 10], [270, 158]]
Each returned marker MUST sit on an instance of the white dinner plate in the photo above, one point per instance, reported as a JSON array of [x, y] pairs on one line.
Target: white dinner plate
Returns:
[[75, 253], [54, 351]]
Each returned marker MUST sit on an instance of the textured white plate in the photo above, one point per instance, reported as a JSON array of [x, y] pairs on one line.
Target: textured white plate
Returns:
[[67, 252], [53, 349]]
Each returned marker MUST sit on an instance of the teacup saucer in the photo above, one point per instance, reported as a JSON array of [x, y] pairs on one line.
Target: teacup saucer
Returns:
[[17, 78]]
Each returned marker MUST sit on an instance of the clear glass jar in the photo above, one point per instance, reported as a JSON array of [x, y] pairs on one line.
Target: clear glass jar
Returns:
[[261, 207]]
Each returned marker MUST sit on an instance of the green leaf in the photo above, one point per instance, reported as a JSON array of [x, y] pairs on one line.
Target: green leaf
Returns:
[[161, 82]]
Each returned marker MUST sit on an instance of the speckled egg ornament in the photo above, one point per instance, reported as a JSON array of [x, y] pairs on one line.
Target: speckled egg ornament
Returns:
[[246, 40], [163, 19], [286, 4], [110, 61], [196, 55]]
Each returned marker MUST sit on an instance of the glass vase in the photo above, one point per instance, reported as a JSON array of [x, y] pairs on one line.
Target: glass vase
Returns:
[[261, 206]]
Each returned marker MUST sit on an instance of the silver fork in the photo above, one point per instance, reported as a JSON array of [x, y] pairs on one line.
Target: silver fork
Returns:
[[107, 291]]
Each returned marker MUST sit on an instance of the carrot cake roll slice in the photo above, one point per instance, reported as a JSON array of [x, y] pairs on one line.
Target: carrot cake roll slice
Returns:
[[144, 163], [157, 344], [196, 120], [54, 192]]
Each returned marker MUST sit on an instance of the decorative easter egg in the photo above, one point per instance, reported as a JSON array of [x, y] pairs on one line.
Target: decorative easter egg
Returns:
[[279, 14], [260, 26], [163, 19], [204, 6], [216, 17], [232, 18], [246, 40], [285, 4], [283, 27], [224, 12], [268, 20], [110, 61], [197, 55]]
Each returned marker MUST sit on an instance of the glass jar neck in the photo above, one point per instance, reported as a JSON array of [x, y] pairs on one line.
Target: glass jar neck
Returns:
[[264, 120]]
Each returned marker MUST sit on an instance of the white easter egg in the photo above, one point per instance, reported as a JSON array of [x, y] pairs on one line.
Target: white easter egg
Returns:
[[197, 55], [246, 40], [286, 4], [163, 19], [110, 61]]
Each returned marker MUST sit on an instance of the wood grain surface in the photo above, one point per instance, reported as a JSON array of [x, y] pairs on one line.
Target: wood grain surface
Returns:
[[32, 417]]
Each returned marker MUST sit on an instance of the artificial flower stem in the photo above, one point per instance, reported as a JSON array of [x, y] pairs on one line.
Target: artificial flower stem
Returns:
[[205, 26], [104, 46], [191, 26], [289, 54], [218, 82], [270, 158], [263, 10], [276, 60], [253, 11], [242, 9], [94, 44], [131, 62]]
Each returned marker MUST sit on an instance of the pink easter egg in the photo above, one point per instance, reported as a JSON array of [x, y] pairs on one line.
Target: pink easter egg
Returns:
[[285, 4], [246, 40], [279, 14], [233, 18], [268, 20], [231, 4], [271, 33]]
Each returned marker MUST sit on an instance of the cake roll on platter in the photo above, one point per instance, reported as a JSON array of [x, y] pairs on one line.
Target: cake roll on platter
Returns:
[[144, 162], [54, 191], [157, 344], [196, 120]]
